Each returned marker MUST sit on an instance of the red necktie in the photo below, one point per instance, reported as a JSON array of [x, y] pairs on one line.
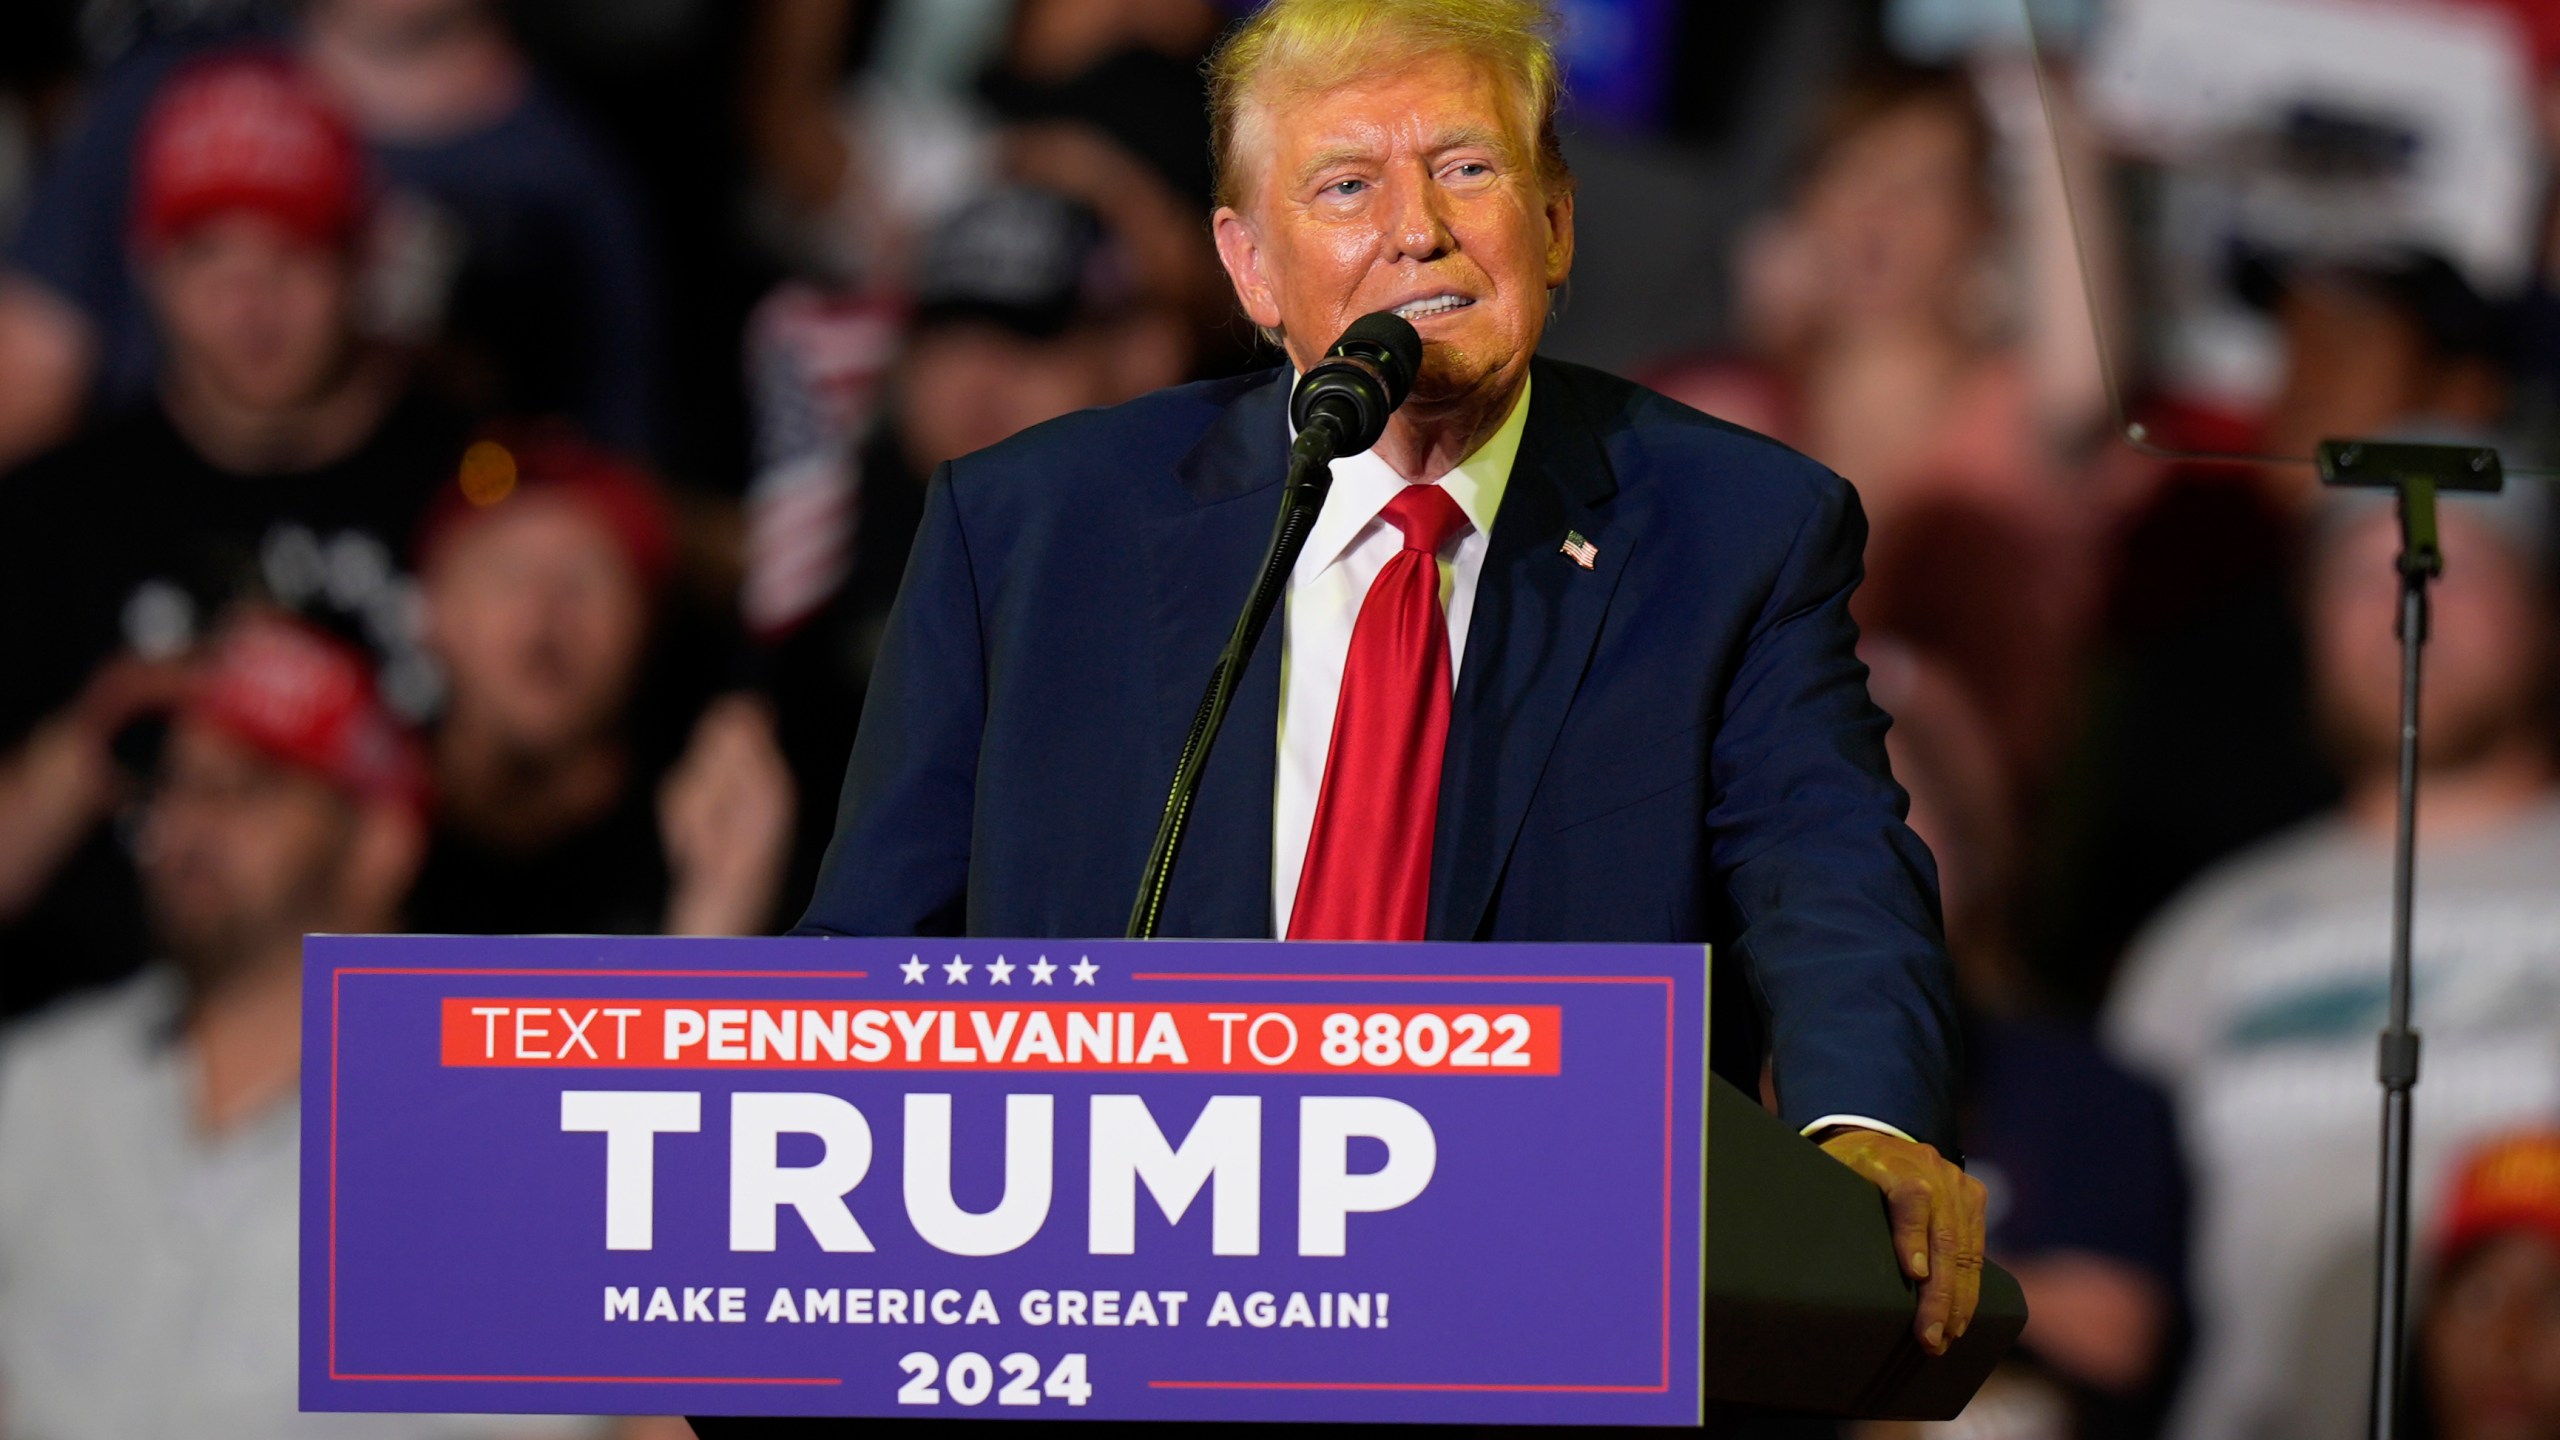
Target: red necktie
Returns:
[[1368, 869]]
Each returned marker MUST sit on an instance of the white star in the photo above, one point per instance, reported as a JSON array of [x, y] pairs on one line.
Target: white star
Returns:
[[1085, 969], [914, 970], [1000, 972], [1041, 970], [957, 971]]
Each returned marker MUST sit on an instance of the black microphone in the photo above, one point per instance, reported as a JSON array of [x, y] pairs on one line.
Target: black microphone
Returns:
[[1340, 408], [1359, 382]]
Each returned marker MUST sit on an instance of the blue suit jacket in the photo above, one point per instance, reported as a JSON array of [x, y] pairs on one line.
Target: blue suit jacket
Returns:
[[1674, 745]]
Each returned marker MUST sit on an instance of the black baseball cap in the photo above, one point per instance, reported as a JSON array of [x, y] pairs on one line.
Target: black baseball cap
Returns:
[[1023, 259], [2455, 317]]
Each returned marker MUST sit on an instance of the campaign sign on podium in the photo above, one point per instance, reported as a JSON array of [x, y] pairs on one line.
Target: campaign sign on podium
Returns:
[[1004, 1179]]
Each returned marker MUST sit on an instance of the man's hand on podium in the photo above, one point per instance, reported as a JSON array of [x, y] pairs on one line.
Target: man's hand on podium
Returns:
[[1937, 1213]]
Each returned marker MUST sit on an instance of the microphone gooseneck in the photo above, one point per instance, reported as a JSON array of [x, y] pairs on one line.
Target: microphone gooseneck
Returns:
[[1340, 407]]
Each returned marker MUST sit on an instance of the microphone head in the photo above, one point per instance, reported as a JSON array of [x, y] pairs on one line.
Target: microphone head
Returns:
[[1360, 381]]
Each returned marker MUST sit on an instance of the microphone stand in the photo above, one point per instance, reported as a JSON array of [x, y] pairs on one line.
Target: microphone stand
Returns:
[[2417, 473], [1301, 500]]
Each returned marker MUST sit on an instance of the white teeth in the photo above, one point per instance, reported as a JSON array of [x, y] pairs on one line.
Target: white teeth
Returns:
[[1433, 306]]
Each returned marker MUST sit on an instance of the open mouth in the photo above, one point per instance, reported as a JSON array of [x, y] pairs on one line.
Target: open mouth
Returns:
[[1433, 305]]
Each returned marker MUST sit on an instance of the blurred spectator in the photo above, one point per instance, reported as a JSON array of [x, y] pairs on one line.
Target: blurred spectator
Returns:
[[1690, 140], [503, 236], [875, 122], [863, 129], [2256, 996], [1025, 311], [1083, 277], [1024, 185], [1881, 346], [2081, 1159], [149, 1135], [2488, 1339], [2328, 128], [2395, 344], [1026, 308], [543, 567], [2004, 603], [2202, 740], [280, 453], [1873, 318], [657, 84], [1105, 104]]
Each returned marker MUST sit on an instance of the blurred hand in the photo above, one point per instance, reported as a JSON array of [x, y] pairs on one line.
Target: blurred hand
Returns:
[[1937, 1217], [725, 814], [125, 689], [2097, 1319], [62, 780], [1160, 232], [48, 351]]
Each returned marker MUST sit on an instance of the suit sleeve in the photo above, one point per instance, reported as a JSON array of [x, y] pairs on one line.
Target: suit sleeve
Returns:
[[899, 863], [1833, 899]]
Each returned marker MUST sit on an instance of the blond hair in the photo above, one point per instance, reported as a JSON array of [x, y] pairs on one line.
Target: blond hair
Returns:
[[1300, 46]]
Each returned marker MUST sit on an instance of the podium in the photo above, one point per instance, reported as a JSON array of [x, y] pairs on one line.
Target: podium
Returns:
[[1192, 1182], [1807, 1310]]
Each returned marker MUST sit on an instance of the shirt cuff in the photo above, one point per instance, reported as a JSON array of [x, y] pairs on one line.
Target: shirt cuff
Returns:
[[1860, 1121]]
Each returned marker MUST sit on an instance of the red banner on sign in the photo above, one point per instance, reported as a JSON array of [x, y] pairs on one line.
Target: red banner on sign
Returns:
[[997, 1036]]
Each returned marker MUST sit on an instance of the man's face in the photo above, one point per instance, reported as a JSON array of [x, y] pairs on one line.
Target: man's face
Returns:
[[259, 316], [965, 387], [1416, 188], [1893, 218], [539, 620], [2492, 1343], [2354, 365], [2487, 656], [240, 854]]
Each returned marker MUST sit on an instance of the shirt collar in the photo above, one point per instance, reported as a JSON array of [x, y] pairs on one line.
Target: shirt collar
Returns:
[[1364, 483]]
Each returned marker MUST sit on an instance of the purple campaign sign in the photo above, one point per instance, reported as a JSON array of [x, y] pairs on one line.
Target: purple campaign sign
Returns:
[[1004, 1179]]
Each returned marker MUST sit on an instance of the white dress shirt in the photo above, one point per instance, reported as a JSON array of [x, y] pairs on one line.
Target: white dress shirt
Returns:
[[1350, 544]]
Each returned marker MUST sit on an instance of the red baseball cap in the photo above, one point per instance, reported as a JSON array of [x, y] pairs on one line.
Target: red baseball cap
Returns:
[[308, 700], [2510, 1183], [247, 131], [511, 461], [2539, 23]]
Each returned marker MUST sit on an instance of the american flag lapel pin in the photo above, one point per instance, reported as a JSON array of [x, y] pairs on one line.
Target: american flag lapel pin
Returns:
[[1580, 551]]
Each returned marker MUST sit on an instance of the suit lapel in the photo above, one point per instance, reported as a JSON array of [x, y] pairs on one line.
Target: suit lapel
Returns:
[[1537, 616], [1204, 550]]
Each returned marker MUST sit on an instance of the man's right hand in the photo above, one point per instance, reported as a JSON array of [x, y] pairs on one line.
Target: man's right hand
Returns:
[[1938, 1224]]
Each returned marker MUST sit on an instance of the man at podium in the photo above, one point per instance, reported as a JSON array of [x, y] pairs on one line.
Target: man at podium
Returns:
[[1562, 660]]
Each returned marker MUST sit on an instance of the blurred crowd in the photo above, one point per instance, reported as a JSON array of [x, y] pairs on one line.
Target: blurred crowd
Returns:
[[457, 456]]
